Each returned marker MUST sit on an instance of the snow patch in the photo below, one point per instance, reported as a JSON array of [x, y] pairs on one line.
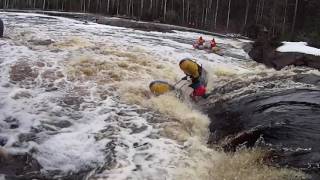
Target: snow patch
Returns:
[[300, 47]]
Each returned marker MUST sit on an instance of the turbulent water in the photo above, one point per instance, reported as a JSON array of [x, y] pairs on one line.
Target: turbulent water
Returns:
[[75, 104], [281, 115]]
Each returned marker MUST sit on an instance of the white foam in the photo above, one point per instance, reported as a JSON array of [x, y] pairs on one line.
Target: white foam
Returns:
[[76, 147]]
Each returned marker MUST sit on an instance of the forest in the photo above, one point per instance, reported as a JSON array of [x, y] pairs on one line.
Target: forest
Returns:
[[295, 20]]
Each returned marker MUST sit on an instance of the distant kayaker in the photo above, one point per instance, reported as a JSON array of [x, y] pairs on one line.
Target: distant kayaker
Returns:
[[199, 44], [200, 41], [213, 43]]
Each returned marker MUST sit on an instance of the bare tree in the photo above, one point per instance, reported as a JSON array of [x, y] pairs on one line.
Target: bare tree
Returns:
[[258, 11], [206, 12], [284, 17], [83, 5], [141, 10], [151, 5], [294, 17], [132, 8], [216, 15], [188, 12], [228, 19], [202, 17], [183, 20], [165, 10], [206, 16], [89, 4], [118, 7], [128, 6], [108, 7], [201, 13], [274, 12], [262, 9], [44, 4], [247, 11]]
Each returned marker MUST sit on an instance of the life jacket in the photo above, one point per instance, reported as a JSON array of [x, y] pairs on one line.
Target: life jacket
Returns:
[[199, 91], [200, 41], [213, 43]]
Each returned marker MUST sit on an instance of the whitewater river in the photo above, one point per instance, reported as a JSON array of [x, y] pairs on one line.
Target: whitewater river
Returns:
[[74, 101]]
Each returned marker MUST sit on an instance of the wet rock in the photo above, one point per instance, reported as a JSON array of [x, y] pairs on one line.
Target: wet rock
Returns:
[[247, 47], [307, 79], [247, 139], [280, 60], [286, 120], [22, 71], [264, 51]]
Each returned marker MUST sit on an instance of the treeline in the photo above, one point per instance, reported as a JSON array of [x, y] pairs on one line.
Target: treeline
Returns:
[[299, 19]]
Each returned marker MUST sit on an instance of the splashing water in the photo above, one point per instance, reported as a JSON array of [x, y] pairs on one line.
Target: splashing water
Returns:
[[76, 97]]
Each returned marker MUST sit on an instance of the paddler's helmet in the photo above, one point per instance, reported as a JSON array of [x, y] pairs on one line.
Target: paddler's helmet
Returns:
[[190, 67]]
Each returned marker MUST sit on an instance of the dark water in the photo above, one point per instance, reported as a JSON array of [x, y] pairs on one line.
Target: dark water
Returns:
[[285, 121]]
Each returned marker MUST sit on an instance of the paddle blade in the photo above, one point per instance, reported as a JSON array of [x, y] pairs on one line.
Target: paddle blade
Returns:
[[160, 87]]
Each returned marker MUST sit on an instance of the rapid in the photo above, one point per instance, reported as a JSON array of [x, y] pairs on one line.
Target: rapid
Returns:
[[75, 104]]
